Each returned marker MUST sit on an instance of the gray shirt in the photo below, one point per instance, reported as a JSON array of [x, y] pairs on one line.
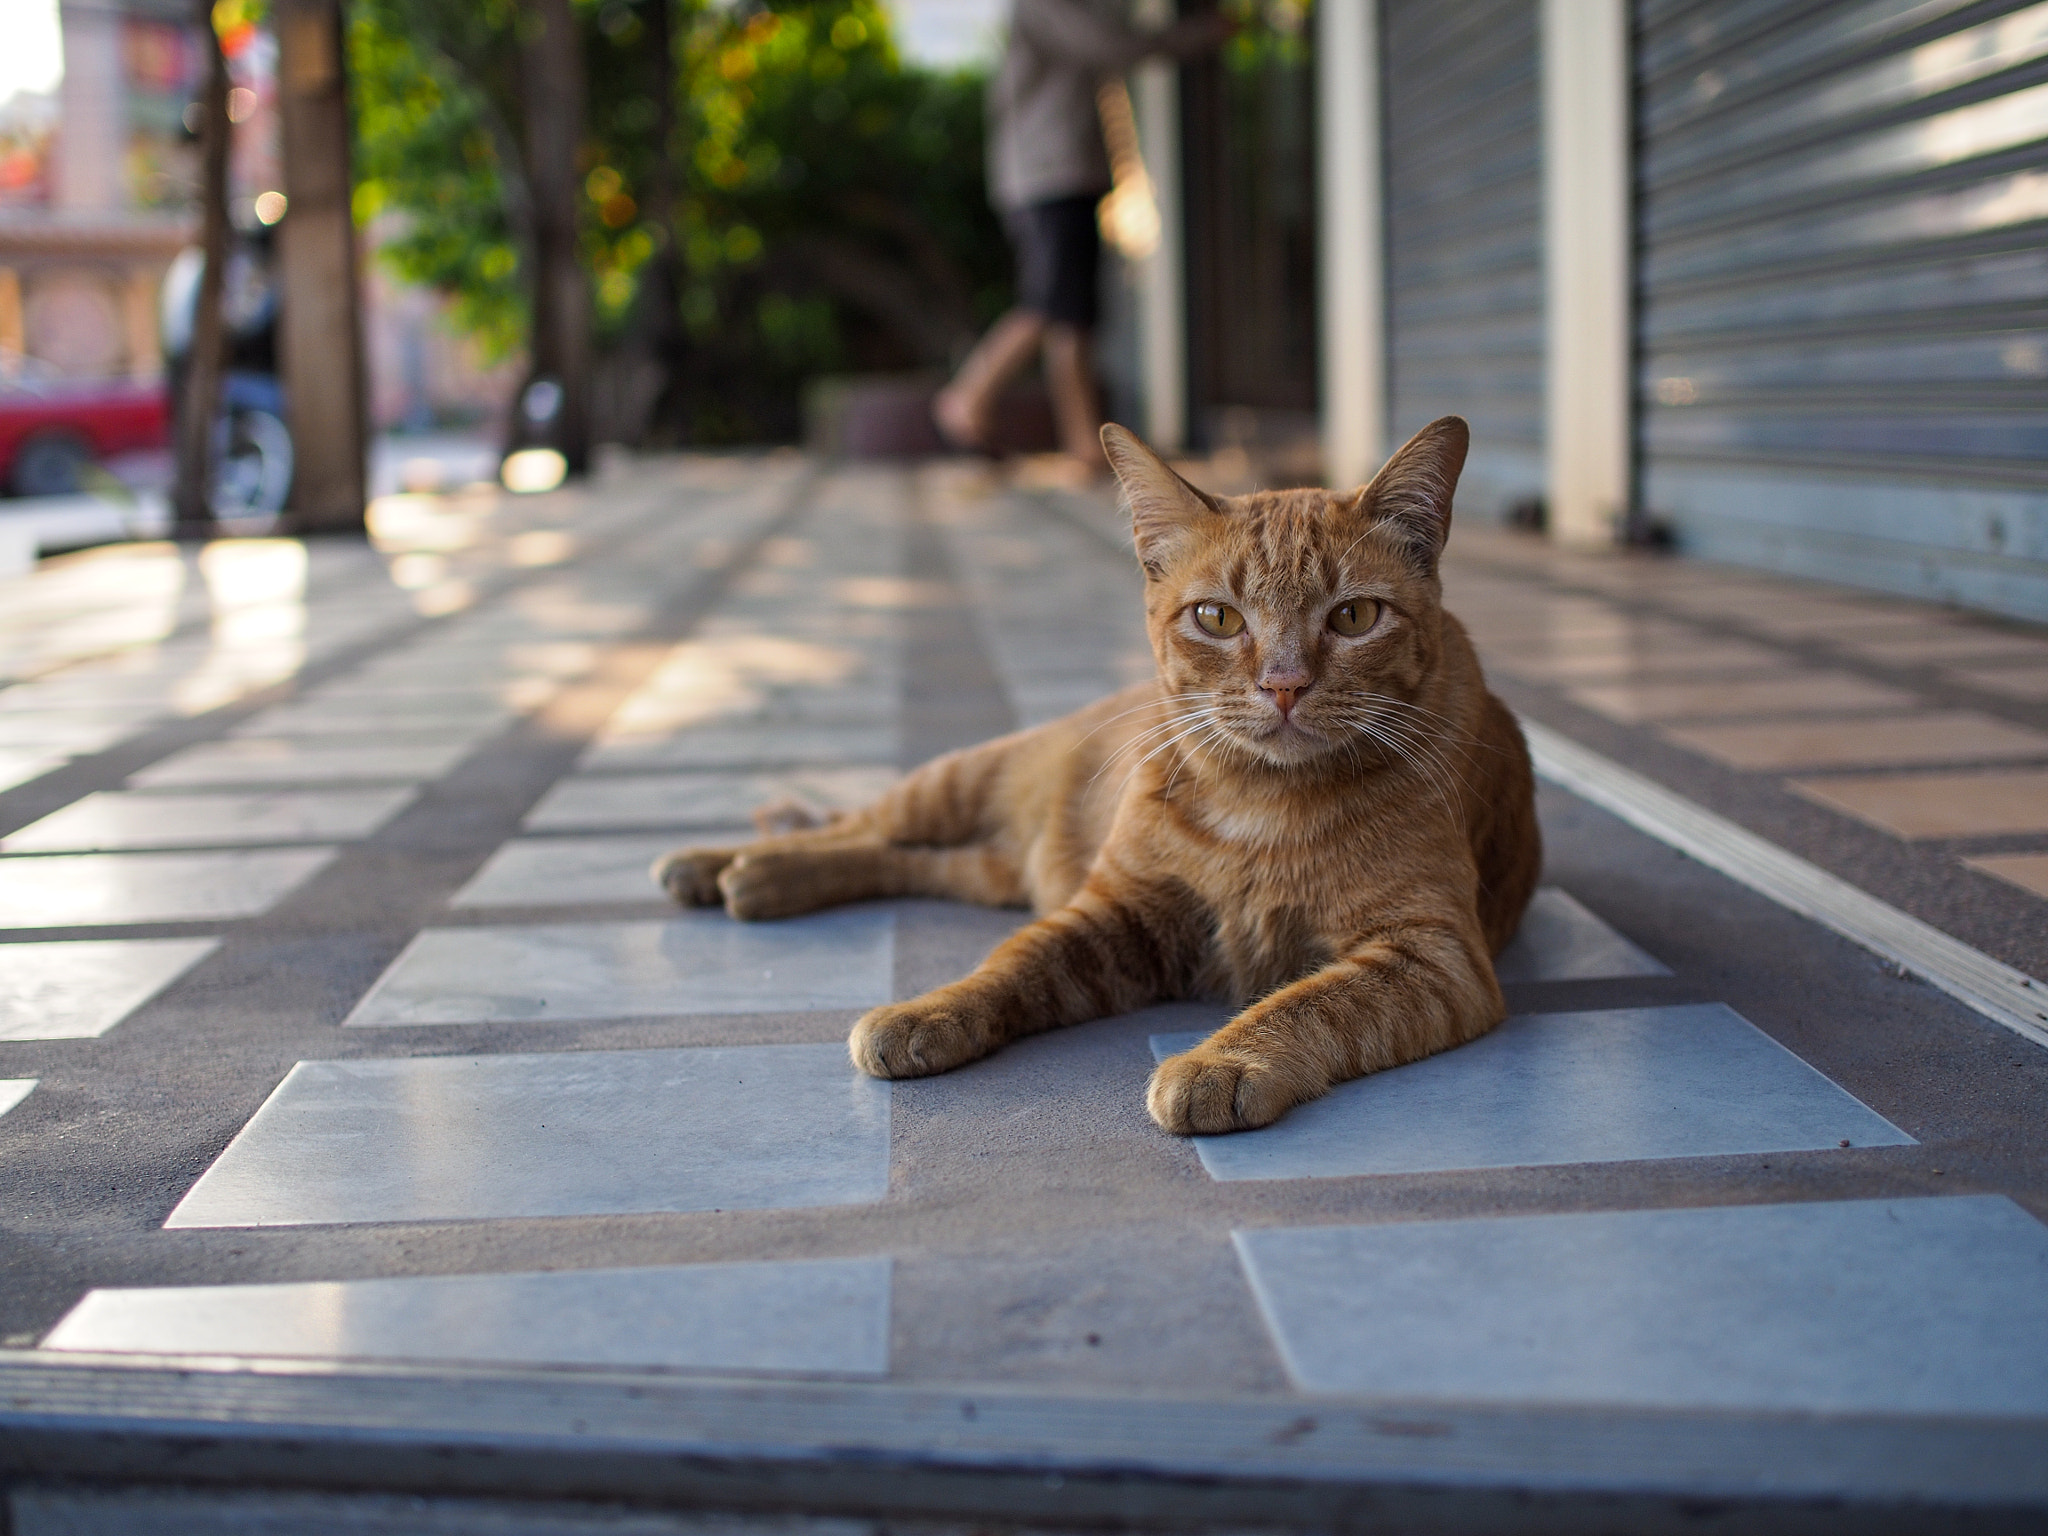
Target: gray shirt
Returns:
[[1045, 137]]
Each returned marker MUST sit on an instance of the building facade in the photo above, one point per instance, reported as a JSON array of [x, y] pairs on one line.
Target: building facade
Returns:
[[1770, 276]]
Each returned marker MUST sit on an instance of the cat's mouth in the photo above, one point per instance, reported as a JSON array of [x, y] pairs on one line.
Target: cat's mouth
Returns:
[[1286, 738]]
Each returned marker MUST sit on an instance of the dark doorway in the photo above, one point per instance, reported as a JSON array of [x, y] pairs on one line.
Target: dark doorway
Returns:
[[1249, 125]]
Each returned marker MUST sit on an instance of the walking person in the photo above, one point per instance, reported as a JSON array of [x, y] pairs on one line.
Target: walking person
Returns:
[[1048, 168]]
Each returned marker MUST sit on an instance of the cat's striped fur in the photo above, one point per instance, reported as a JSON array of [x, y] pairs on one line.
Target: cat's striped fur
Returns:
[[1336, 830]]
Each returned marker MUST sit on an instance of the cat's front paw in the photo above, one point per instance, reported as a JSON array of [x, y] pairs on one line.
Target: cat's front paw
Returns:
[[916, 1039], [690, 875], [758, 887], [1203, 1092]]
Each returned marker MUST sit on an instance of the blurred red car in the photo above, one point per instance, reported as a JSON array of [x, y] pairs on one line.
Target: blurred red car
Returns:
[[52, 430]]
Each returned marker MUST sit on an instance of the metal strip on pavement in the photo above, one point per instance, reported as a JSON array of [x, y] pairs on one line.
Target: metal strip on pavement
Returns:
[[1992, 988]]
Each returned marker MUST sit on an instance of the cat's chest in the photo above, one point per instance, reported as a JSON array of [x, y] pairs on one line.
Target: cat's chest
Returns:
[[1259, 948]]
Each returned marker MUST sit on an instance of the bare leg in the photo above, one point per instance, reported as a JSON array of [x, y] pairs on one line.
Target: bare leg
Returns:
[[965, 408], [1076, 407]]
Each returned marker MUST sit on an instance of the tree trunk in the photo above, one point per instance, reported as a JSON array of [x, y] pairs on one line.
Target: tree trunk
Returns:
[[551, 90], [661, 291], [199, 400], [321, 326]]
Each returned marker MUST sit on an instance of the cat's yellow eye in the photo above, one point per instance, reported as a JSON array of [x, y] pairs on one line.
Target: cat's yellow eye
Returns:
[[1218, 619], [1354, 617]]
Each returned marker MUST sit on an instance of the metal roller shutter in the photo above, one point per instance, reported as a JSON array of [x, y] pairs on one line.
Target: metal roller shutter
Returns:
[[1464, 236], [1842, 304]]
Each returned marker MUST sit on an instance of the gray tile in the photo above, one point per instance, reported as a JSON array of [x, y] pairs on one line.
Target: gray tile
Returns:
[[323, 722], [696, 799], [118, 819], [1561, 941], [406, 693], [552, 871], [301, 762], [1868, 1306], [82, 889], [695, 962], [82, 988], [747, 747], [1611, 1086], [576, 1133], [815, 1316]]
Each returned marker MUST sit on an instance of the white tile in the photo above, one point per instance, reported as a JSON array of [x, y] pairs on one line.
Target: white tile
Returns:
[[808, 1316], [119, 819], [695, 962], [561, 871], [300, 762], [20, 766], [1561, 941], [748, 746], [1867, 1306], [1615, 1085], [70, 890], [576, 1133], [65, 730], [14, 1089], [595, 801], [648, 716], [82, 988]]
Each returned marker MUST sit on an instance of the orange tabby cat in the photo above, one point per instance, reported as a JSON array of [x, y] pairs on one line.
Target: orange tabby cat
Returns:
[[1318, 811]]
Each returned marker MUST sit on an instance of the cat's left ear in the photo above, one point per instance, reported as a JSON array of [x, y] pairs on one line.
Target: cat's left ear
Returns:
[[1411, 495], [1165, 509]]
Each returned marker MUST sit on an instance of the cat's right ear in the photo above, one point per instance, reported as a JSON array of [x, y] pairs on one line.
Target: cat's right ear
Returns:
[[1165, 509], [1411, 495]]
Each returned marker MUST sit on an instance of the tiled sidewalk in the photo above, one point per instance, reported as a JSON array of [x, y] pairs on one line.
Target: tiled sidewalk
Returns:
[[340, 1026], [1920, 732]]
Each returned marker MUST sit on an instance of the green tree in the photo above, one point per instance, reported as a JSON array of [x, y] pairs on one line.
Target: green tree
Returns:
[[825, 207]]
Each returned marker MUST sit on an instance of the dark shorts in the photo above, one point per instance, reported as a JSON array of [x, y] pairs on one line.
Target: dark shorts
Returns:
[[1058, 250]]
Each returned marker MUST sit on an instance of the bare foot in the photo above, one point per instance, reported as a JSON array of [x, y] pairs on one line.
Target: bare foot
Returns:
[[1058, 471], [958, 422]]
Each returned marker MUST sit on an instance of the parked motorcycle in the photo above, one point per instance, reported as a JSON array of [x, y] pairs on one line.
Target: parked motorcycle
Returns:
[[252, 445]]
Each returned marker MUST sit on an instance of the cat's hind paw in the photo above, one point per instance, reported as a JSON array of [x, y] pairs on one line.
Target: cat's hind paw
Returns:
[[915, 1039], [690, 875], [1202, 1092]]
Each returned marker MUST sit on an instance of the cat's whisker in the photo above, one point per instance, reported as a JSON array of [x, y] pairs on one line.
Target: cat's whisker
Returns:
[[1159, 703], [1443, 742], [1432, 770], [1421, 733], [1435, 786], [1217, 735], [1463, 738], [1145, 738], [1203, 723]]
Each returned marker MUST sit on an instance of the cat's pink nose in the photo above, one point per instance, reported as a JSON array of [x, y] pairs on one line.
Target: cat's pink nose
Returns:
[[1285, 690]]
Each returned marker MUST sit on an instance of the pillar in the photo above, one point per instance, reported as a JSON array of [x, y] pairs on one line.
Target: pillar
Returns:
[[1162, 276], [1350, 255], [1587, 268]]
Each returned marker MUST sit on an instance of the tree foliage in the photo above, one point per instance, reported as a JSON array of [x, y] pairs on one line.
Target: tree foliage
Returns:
[[827, 203]]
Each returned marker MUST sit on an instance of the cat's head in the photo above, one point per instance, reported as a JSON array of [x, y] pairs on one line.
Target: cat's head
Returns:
[[1295, 625]]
